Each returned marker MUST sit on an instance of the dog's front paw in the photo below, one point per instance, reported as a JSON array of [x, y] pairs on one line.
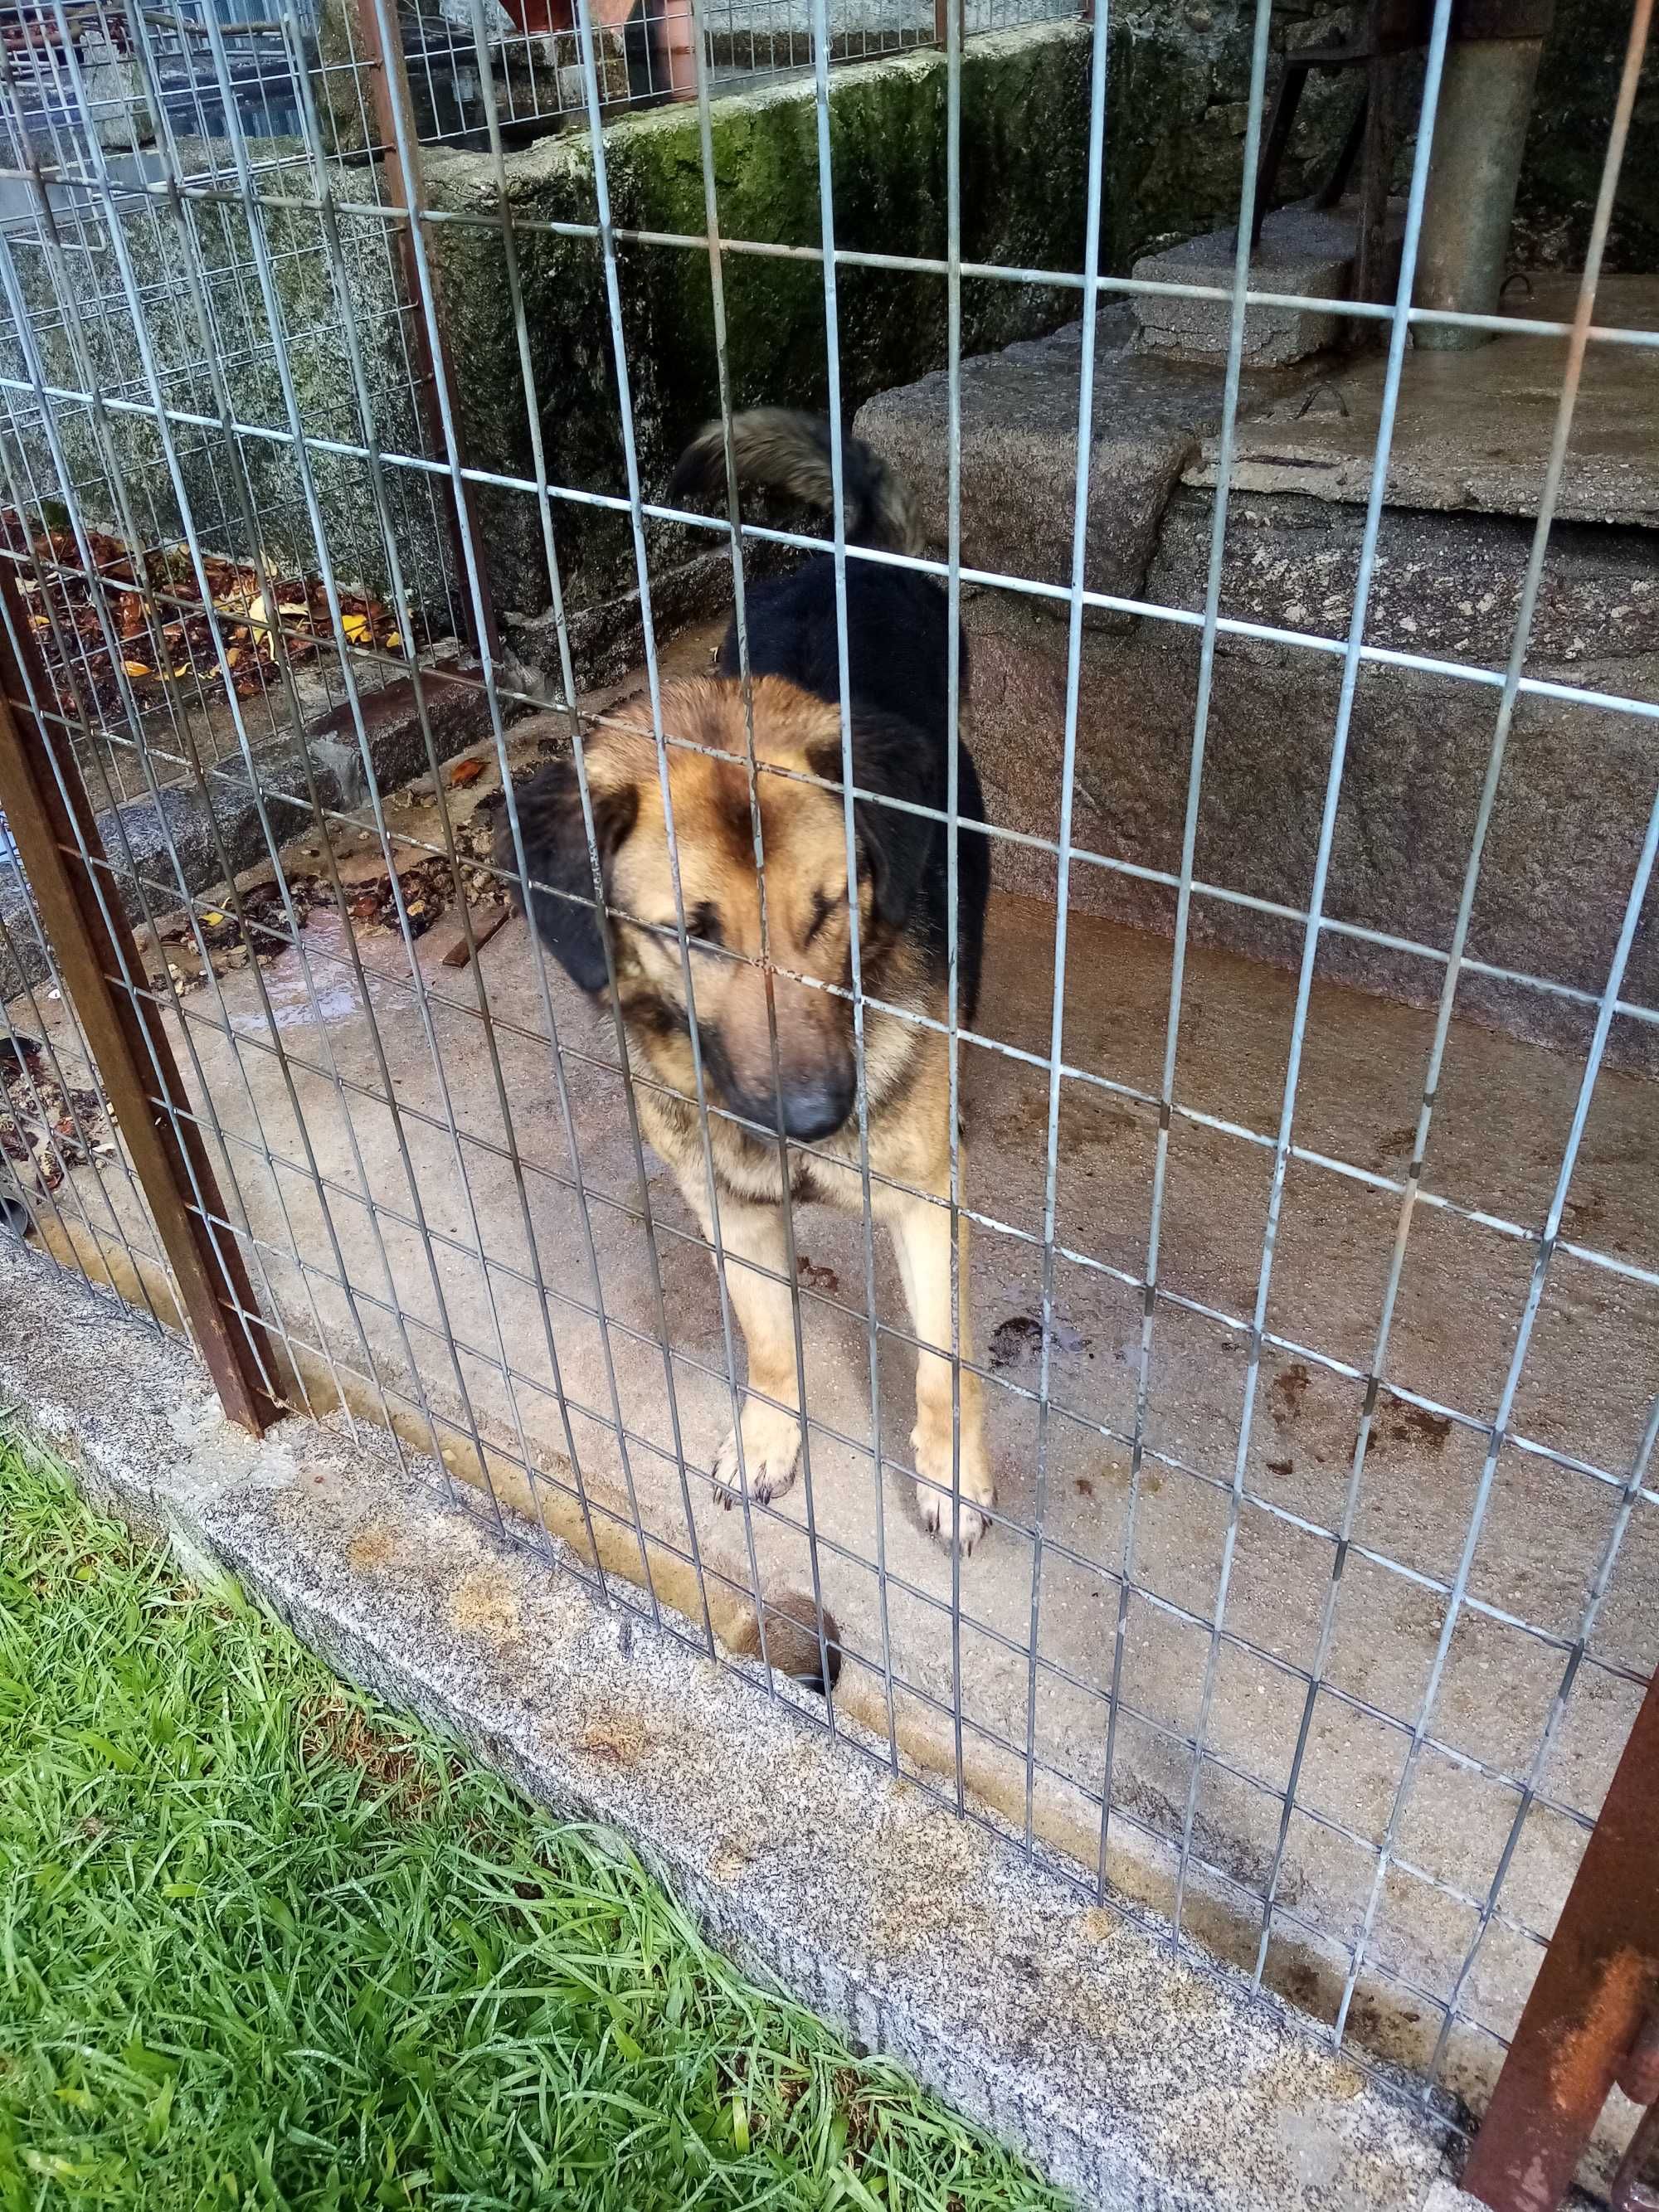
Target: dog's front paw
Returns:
[[771, 1448], [939, 1507]]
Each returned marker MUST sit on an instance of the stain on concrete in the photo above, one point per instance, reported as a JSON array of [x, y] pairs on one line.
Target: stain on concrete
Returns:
[[1020, 1338], [371, 1551], [1417, 1425], [615, 1739], [732, 1862], [1286, 1391], [483, 1605]]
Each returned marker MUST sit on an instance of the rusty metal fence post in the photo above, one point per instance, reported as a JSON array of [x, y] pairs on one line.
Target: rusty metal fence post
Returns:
[[1588, 2022], [55, 830]]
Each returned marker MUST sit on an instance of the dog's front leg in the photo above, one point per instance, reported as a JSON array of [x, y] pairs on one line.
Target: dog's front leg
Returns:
[[921, 1236], [752, 1238]]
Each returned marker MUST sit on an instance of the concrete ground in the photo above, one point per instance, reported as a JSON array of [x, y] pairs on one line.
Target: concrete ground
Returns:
[[1132, 2077], [1035, 1730]]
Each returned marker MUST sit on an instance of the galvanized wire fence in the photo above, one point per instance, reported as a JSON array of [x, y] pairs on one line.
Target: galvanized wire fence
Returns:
[[247, 540]]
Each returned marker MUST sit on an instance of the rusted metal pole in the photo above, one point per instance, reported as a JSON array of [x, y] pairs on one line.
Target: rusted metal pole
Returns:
[[1584, 2023], [56, 833], [388, 83]]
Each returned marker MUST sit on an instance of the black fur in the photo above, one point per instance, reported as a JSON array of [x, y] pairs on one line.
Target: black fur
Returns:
[[898, 641], [897, 667], [782, 451], [561, 899]]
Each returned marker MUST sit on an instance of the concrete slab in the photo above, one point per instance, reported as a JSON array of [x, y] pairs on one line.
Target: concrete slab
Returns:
[[1573, 798], [1304, 249], [1035, 1712], [1446, 586], [1018, 449], [1473, 429], [1140, 2081]]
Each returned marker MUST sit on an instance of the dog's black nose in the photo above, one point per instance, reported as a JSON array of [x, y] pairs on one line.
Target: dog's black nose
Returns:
[[811, 1110]]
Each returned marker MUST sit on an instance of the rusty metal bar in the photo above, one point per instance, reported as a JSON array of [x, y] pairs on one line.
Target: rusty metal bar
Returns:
[[56, 833], [388, 84], [1632, 2189], [1584, 2022]]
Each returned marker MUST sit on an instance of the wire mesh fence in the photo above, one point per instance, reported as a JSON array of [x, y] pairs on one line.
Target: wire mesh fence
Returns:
[[1310, 1335]]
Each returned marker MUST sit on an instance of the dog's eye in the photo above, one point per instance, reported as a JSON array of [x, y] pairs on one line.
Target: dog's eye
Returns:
[[703, 925], [822, 906]]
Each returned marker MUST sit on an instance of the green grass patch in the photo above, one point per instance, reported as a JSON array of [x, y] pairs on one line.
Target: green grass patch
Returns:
[[264, 1943]]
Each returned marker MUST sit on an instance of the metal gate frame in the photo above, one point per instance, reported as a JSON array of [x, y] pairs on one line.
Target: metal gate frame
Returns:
[[1593, 2018], [45, 805]]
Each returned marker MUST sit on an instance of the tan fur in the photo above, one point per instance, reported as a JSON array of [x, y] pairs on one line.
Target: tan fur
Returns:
[[906, 1065]]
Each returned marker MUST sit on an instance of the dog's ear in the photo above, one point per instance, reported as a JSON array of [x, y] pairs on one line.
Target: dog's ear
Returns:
[[892, 759], [560, 897]]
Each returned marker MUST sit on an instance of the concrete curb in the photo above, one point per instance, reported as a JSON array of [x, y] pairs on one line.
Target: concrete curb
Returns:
[[1129, 2076]]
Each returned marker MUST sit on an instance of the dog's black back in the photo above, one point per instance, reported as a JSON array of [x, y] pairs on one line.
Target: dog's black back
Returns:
[[897, 644]]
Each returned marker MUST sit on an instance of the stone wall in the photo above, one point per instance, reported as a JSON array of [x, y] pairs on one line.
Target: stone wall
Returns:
[[1181, 75], [1024, 138], [1178, 74], [88, 341]]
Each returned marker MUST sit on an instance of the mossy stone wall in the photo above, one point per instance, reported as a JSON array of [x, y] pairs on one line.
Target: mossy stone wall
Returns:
[[1177, 77], [1024, 139]]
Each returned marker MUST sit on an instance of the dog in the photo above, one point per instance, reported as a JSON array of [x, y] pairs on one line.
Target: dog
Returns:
[[805, 1125]]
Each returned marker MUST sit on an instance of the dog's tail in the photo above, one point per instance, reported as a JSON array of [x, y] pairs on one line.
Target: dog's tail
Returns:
[[789, 452]]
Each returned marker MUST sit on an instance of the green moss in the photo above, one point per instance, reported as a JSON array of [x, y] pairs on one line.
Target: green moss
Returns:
[[1024, 136]]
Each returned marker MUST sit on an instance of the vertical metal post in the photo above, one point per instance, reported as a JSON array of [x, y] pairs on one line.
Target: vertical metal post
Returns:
[[1595, 1987], [56, 832], [388, 79], [1371, 244], [1485, 108]]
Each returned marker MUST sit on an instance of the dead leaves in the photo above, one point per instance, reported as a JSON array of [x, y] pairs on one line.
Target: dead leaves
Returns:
[[46, 1128], [261, 929], [163, 626], [427, 887], [260, 924]]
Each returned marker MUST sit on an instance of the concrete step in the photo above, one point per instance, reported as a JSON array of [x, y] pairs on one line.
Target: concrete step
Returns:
[[1303, 249], [1579, 777], [1019, 417]]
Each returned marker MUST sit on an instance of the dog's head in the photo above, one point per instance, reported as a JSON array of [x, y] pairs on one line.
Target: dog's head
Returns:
[[808, 923]]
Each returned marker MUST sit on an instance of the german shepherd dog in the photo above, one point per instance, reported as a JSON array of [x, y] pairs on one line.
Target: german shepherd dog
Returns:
[[897, 644]]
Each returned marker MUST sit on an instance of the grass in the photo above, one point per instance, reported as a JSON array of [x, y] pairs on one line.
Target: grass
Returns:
[[263, 1943]]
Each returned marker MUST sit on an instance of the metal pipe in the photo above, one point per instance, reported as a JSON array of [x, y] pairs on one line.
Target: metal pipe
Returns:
[[1486, 105]]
